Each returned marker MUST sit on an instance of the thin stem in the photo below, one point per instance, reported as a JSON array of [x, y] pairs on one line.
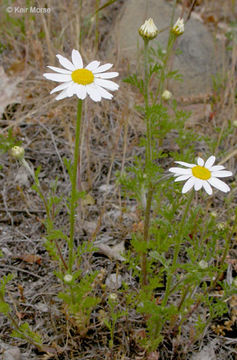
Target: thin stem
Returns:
[[146, 236], [73, 199], [147, 163], [169, 48], [177, 249], [227, 246], [146, 99], [41, 194]]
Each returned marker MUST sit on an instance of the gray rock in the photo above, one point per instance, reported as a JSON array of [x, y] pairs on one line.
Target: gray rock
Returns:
[[207, 353], [114, 281], [12, 354], [198, 60]]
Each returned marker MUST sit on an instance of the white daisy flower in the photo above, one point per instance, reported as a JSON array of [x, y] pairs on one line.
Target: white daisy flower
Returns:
[[76, 80], [203, 174]]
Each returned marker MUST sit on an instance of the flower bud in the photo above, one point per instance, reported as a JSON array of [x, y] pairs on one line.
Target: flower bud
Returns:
[[221, 226], [178, 28], [167, 95], [67, 278], [113, 297], [17, 152], [203, 264], [148, 30], [235, 123], [213, 214]]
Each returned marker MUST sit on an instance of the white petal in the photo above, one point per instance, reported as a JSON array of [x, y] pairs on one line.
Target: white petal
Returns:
[[222, 173], [219, 184], [185, 164], [210, 161], [103, 68], [57, 77], [61, 87], [188, 185], [104, 93], [81, 92], [61, 71], [72, 89], [180, 171], [76, 59], [200, 161], [93, 65], [207, 187], [182, 177], [65, 62], [93, 93], [198, 184], [107, 84], [62, 95], [216, 168], [108, 75]]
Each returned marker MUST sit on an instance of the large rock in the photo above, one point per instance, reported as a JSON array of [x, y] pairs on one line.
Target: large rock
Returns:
[[198, 60]]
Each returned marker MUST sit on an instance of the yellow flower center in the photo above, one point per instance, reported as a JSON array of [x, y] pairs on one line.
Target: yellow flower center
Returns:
[[201, 172], [82, 76]]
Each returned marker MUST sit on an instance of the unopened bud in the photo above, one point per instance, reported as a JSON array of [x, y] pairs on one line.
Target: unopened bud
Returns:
[[213, 214], [113, 297], [221, 226], [203, 264], [235, 123], [167, 95], [148, 30], [17, 152], [178, 28], [67, 278]]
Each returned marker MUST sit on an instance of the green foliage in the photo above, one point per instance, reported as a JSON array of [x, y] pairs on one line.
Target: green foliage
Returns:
[[133, 80], [114, 315], [4, 306], [24, 332], [79, 299], [7, 142]]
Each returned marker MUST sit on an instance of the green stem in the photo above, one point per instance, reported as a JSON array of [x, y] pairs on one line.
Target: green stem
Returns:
[[177, 249], [147, 163], [146, 99], [227, 246], [146, 236], [36, 181], [73, 199], [169, 48]]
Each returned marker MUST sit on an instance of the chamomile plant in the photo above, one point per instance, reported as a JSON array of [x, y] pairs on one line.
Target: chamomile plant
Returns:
[[176, 235], [91, 81]]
